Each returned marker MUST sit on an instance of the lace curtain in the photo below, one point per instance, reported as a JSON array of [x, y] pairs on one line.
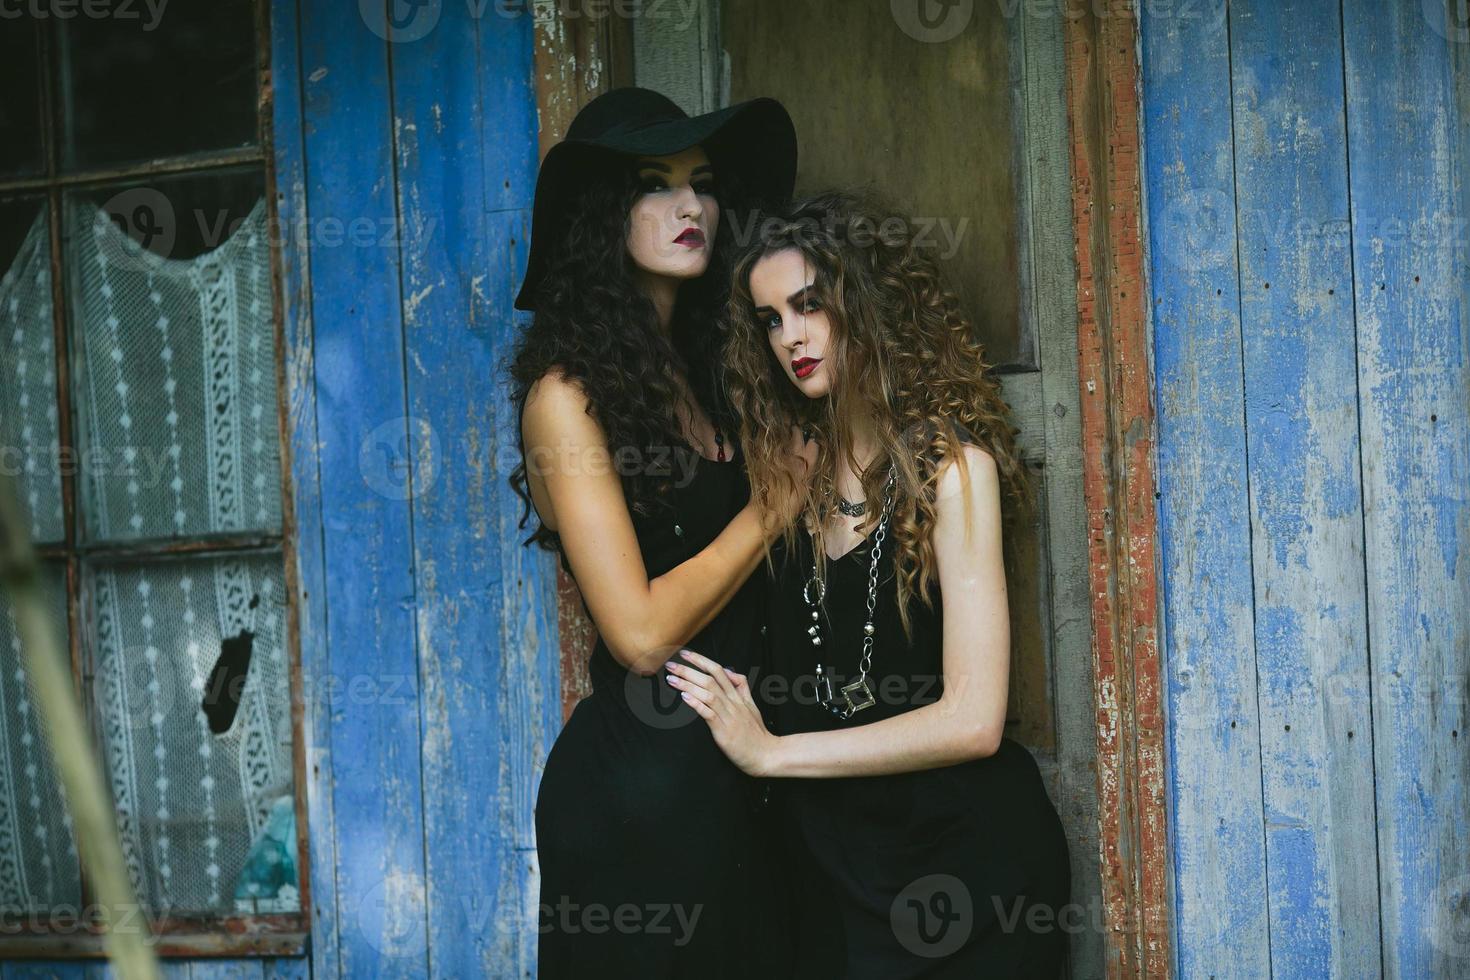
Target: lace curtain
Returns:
[[191, 803], [178, 407], [28, 383], [38, 854], [176, 419]]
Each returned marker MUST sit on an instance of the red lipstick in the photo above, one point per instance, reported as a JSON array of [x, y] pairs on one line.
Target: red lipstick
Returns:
[[803, 366], [692, 237]]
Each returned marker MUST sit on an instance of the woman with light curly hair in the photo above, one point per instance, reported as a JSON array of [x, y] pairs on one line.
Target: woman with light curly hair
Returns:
[[924, 839]]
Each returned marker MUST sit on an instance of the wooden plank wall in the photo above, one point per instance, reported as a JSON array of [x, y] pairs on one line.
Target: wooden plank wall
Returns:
[[1306, 175], [406, 163], [1306, 516], [429, 642], [466, 164], [1118, 479], [376, 856], [432, 604], [1050, 296], [1408, 112]]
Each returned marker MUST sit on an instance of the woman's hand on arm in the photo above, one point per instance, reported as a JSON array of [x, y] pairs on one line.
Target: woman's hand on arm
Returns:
[[968, 719], [641, 621]]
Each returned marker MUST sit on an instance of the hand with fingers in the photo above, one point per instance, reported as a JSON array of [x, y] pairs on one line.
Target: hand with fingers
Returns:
[[722, 698]]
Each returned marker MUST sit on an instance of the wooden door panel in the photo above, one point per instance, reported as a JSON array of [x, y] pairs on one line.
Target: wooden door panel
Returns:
[[927, 125]]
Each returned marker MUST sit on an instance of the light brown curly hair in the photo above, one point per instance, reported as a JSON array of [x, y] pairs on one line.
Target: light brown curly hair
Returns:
[[903, 352]]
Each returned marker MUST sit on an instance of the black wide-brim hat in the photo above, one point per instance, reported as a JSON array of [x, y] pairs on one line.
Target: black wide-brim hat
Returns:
[[753, 141]]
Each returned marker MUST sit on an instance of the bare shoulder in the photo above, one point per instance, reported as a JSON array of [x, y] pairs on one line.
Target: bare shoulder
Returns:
[[979, 466], [556, 407], [967, 512], [554, 392]]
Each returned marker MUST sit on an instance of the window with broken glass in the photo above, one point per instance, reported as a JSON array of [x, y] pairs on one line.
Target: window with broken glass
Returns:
[[140, 415]]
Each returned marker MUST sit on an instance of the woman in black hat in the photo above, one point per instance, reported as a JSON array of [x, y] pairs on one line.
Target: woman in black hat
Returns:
[[651, 854]]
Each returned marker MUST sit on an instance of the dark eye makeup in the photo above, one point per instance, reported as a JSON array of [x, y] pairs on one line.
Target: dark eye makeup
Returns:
[[652, 177]]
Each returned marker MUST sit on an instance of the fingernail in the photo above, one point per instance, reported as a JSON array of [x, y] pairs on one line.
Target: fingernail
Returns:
[[672, 680], [670, 665], [684, 653]]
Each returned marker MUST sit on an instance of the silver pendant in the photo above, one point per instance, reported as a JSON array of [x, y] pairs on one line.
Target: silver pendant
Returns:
[[852, 698], [857, 696]]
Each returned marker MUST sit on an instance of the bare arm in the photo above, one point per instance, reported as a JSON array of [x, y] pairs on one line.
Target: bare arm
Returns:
[[968, 719], [641, 620]]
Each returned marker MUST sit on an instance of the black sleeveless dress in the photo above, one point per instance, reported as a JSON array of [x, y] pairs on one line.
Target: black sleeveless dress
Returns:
[[654, 848], [934, 873]]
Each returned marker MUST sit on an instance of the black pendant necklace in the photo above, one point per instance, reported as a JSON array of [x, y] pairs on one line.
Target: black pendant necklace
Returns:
[[852, 508]]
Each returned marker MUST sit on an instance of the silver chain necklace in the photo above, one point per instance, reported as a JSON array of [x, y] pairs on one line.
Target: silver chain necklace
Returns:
[[858, 695]]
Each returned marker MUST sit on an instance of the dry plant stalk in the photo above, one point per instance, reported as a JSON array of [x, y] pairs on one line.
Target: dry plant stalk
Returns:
[[98, 843]]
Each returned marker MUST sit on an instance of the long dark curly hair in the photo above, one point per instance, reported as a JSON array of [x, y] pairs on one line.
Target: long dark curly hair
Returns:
[[903, 352], [596, 326]]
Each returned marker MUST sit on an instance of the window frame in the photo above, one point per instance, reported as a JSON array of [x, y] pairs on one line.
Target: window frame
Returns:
[[197, 934]]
